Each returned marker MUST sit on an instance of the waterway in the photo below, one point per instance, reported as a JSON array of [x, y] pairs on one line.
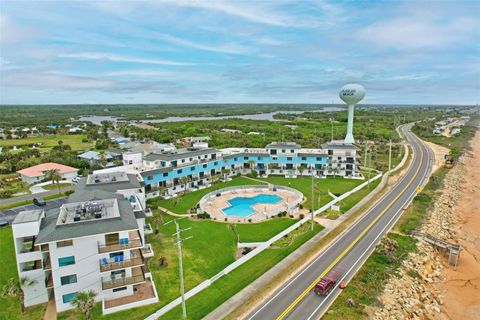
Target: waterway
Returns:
[[258, 116]]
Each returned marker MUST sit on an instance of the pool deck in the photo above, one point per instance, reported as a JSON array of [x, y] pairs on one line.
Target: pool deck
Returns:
[[214, 207]]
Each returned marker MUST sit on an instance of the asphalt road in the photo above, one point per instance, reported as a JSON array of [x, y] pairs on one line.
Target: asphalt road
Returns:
[[10, 214], [296, 299]]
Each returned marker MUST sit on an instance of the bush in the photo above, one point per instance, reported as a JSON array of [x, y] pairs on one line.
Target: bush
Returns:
[[203, 215], [282, 214], [301, 216], [69, 192]]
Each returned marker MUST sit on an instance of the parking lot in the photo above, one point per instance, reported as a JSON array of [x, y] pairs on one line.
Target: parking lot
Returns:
[[10, 214]]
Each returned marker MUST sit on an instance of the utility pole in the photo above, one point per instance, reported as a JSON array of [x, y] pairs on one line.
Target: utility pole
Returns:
[[313, 201], [369, 166], [331, 122], [179, 241], [365, 156], [390, 156]]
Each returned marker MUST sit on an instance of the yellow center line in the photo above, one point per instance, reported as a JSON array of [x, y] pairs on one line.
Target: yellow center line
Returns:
[[341, 255]]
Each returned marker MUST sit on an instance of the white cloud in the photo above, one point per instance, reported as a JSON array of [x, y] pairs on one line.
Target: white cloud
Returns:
[[418, 31], [119, 58], [53, 81], [248, 12], [231, 48]]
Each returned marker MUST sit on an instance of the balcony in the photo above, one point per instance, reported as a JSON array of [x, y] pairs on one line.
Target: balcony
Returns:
[[137, 277], [49, 281], [110, 264], [134, 241], [47, 264], [144, 294]]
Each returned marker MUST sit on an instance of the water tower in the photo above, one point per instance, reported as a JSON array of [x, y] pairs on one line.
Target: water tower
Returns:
[[351, 94]]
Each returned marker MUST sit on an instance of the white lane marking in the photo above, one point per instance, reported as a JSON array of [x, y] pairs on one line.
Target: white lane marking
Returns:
[[410, 198], [330, 246]]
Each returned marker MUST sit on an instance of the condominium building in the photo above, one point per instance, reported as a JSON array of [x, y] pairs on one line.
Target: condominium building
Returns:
[[193, 168], [95, 241]]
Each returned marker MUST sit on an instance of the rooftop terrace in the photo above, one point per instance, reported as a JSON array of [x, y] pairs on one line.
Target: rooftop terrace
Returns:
[[86, 211]]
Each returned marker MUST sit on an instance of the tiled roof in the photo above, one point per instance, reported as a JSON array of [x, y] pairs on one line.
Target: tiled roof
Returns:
[[39, 170]]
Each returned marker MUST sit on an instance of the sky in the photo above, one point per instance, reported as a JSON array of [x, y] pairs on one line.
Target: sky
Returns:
[[402, 52]]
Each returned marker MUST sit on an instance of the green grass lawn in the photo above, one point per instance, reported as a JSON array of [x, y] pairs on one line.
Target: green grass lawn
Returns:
[[189, 200], [336, 185], [211, 249], [10, 306], [74, 140], [55, 187], [262, 231], [220, 291]]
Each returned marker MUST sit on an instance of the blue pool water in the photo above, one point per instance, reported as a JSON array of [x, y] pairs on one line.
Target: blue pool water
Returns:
[[243, 206]]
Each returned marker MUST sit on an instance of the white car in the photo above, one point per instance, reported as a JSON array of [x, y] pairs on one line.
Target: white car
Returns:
[[76, 179]]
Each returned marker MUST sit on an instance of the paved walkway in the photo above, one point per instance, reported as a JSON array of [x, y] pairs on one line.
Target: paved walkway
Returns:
[[51, 310]]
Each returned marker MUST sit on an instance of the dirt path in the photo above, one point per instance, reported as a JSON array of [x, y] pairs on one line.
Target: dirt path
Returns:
[[461, 288]]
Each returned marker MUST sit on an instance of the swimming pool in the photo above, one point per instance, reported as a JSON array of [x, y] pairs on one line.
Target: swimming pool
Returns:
[[243, 206]]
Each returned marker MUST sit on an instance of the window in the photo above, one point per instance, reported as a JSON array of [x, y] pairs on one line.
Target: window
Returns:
[[165, 174], [66, 261], [149, 177], [304, 158], [245, 158], [289, 158], [319, 158], [66, 243], [204, 165], [68, 297], [215, 163], [292, 151], [192, 169], [68, 279], [119, 289], [179, 171]]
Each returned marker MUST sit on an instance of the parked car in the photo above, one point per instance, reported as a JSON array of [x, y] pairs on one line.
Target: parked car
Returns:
[[4, 223], [39, 202], [76, 179]]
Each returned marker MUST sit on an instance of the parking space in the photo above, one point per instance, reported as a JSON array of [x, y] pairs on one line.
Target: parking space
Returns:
[[10, 214]]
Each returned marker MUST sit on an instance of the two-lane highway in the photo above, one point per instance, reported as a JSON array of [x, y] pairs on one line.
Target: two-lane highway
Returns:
[[295, 299]]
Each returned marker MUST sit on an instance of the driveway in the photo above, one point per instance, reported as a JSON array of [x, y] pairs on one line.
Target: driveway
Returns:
[[10, 214]]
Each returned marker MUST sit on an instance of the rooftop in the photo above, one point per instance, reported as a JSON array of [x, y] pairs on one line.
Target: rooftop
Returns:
[[39, 170], [179, 154], [90, 210], [289, 145], [28, 216], [110, 177]]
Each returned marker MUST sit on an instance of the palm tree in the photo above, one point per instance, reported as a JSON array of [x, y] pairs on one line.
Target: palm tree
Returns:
[[15, 288], [103, 158], [54, 176], [185, 180], [85, 301], [225, 172], [161, 190]]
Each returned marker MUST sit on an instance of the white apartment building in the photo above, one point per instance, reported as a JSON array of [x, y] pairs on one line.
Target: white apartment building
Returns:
[[96, 241]]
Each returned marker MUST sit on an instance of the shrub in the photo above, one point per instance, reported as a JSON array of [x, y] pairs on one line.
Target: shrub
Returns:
[[203, 215], [69, 192], [301, 216]]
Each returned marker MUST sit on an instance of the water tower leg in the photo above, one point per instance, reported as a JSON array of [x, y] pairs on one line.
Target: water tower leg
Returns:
[[349, 137]]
